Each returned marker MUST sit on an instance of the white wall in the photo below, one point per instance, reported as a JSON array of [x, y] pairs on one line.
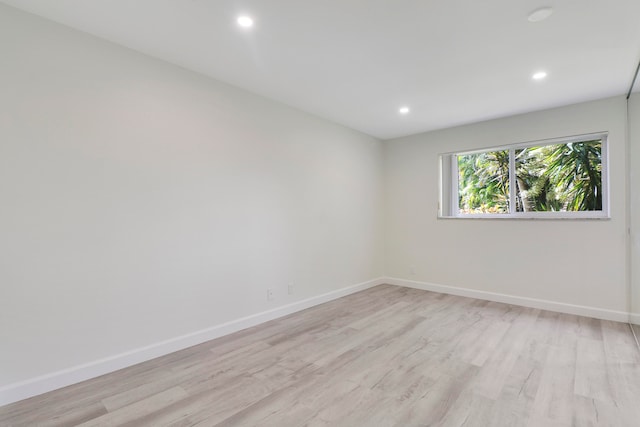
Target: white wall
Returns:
[[634, 183], [142, 202], [577, 262]]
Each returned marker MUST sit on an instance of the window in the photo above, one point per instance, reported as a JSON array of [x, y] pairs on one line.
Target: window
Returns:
[[560, 178]]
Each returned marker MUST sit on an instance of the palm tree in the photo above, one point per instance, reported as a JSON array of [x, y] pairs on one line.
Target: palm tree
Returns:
[[559, 177], [575, 171], [483, 185]]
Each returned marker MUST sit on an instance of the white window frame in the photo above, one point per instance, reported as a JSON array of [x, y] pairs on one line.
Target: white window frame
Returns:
[[449, 198]]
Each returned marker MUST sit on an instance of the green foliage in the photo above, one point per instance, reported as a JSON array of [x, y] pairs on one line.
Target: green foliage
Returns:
[[484, 182], [560, 177]]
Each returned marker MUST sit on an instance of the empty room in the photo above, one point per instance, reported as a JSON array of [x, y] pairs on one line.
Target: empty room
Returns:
[[319, 213]]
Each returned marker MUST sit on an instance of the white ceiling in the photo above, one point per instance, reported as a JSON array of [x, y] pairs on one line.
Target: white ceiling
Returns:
[[356, 62]]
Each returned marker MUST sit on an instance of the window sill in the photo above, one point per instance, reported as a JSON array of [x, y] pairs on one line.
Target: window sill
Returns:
[[530, 217]]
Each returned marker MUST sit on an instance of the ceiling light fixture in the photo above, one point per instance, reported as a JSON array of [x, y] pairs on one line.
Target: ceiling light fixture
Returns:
[[539, 75], [540, 14], [404, 110], [245, 21]]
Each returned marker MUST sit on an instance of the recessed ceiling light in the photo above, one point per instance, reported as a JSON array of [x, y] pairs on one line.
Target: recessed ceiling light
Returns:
[[540, 14], [404, 110], [539, 75], [245, 21]]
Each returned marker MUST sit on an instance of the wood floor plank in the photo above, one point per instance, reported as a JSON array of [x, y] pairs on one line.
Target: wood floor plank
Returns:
[[138, 409], [591, 371], [387, 356], [554, 397]]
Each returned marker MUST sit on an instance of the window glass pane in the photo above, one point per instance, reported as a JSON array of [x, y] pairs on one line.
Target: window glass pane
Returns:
[[561, 177], [483, 182]]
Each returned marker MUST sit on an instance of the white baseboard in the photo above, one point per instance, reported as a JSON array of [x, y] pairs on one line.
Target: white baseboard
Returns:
[[580, 310], [55, 380], [634, 318]]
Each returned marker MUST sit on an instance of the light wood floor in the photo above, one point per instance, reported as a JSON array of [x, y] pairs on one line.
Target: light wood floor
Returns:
[[388, 356]]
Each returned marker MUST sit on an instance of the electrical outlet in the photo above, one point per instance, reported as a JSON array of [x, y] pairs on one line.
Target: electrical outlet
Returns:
[[269, 294], [290, 288]]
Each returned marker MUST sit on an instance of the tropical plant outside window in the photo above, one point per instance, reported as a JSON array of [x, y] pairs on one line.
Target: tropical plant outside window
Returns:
[[483, 183], [561, 178]]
